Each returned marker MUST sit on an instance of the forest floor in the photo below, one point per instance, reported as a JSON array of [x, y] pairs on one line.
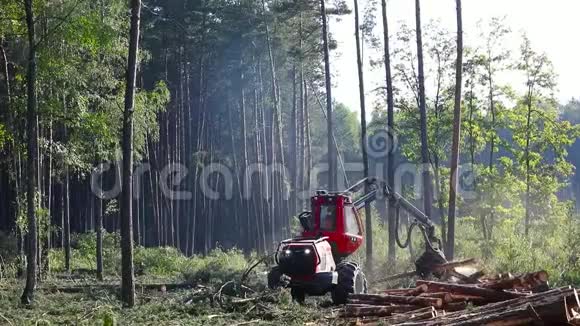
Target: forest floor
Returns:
[[97, 304]]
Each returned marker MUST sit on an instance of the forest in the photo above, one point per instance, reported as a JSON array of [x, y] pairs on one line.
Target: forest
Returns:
[[153, 154]]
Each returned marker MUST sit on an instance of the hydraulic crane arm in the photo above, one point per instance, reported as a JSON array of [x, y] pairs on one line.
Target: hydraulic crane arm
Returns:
[[375, 188], [381, 189]]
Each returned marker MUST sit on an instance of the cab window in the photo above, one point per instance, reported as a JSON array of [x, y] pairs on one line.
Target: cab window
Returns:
[[327, 218], [351, 223]]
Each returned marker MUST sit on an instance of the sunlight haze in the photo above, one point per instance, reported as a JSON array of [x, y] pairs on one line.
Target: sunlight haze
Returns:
[[551, 26]]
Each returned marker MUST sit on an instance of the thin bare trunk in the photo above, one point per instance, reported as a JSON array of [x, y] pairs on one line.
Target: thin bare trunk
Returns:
[[66, 222], [527, 157], [450, 252], [127, 277], [427, 183], [332, 171], [99, 231], [28, 293], [242, 172], [308, 137], [363, 124], [391, 129], [293, 144]]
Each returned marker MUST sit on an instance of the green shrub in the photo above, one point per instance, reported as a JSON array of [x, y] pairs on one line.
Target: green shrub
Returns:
[[162, 261], [84, 253], [550, 246], [218, 266]]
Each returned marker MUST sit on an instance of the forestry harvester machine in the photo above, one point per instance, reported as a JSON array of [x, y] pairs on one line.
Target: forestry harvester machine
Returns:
[[315, 262]]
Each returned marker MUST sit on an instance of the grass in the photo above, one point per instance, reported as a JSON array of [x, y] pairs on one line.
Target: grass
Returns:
[[101, 306], [98, 303], [153, 308]]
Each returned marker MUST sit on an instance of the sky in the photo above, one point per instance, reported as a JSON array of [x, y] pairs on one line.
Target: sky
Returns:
[[552, 26]]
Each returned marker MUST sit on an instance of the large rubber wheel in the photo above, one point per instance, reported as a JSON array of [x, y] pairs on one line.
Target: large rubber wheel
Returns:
[[274, 278], [351, 279], [298, 295]]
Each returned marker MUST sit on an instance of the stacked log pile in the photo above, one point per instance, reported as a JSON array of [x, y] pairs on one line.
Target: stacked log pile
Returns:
[[503, 300]]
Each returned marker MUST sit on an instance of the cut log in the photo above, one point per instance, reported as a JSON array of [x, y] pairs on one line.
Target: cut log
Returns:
[[383, 311], [549, 306], [491, 295], [407, 291], [526, 281], [445, 296], [357, 302], [415, 315], [364, 304], [524, 315], [397, 299]]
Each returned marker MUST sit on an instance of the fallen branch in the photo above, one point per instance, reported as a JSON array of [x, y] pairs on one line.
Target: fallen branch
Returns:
[[395, 299], [6, 319], [491, 295]]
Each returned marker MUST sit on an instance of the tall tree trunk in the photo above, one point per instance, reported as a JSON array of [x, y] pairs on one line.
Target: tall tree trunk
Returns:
[[48, 234], [293, 145], [28, 293], [492, 145], [450, 252], [308, 138], [363, 124], [127, 277], [391, 129], [99, 231], [302, 117], [277, 143], [332, 171], [267, 184], [66, 221], [493, 116], [244, 164], [238, 199], [527, 157], [427, 192]]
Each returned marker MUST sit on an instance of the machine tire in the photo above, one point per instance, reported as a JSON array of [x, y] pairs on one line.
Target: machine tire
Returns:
[[298, 295], [351, 279], [274, 278]]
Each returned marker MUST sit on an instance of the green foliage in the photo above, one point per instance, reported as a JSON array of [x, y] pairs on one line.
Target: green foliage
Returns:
[[4, 135], [84, 253], [154, 308], [346, 132], [549, 247], [216, 267], [163, 262]]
